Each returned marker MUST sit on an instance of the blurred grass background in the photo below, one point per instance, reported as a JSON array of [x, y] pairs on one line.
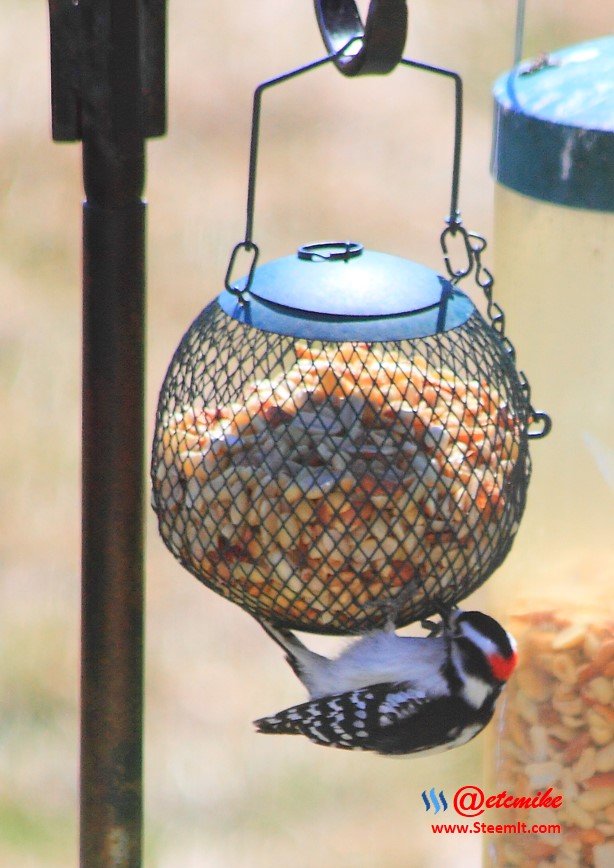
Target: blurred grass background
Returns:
[[367, 159]]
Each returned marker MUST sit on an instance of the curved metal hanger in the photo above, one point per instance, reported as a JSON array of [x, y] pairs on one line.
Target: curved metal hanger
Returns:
[[382, 38]]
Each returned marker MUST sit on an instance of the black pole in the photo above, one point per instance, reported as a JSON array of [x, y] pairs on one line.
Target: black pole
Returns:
[[113, 436], [108, 90], [112, 579]]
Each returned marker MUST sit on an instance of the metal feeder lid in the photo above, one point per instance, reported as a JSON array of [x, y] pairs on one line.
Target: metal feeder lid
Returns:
[[338, 291], [554, 127]]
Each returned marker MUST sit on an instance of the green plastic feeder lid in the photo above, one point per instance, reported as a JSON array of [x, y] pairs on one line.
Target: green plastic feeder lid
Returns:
[[554, 127]]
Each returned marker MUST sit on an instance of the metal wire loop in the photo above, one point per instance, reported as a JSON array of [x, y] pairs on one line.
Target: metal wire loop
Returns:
[[542, 419], [451, 231], [509, 348], [497, 317], [524, 384], [330, 250], [252, 249]]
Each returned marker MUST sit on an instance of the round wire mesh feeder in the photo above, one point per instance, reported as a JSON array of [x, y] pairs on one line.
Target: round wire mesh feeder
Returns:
[[312, 480], [342, 438]]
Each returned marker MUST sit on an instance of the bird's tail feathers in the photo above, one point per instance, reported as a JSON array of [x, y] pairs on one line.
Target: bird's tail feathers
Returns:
[[304, 663], [286, 640], [277, 724]]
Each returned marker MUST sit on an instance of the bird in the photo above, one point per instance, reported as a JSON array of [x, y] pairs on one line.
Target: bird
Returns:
[[399, 695]]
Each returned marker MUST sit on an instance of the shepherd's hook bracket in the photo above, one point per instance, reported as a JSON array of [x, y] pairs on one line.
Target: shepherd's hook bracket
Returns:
[[381, 39], [82, 76]]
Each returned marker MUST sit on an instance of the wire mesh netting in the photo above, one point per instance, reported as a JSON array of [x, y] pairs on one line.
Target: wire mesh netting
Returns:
[[330, 487]]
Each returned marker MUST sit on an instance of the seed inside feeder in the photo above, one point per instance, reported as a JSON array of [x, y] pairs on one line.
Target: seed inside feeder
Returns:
[[355, 475]]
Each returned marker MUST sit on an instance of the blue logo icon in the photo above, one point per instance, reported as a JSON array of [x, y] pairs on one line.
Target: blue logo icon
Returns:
[[431, 798]]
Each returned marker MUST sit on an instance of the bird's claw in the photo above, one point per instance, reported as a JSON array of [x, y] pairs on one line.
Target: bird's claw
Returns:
[[432, 627]]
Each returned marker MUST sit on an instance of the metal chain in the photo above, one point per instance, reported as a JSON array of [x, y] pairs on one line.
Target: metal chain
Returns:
[[252, 249], [474, 246]]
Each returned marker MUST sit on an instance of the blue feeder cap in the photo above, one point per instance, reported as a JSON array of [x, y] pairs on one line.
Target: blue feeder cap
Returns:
[[554, 127], [337, 291]]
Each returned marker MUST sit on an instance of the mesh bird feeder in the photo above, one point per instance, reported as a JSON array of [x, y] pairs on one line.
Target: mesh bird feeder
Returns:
[[341, 434]]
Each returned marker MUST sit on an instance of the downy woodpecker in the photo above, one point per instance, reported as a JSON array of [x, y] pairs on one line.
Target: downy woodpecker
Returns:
[[398, 694]]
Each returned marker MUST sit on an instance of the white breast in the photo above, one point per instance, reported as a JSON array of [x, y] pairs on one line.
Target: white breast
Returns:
[[383, 657]]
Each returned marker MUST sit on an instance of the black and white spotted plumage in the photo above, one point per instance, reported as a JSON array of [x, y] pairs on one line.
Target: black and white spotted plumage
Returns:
[[445, 697], [385, 718]]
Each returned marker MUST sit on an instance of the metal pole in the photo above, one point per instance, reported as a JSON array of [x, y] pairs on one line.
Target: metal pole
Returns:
[[113, 437], [519, 35], [112, 580], [107, 60]]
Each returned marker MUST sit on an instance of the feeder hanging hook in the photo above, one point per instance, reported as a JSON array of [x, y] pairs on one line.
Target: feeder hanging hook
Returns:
[[381, 39]]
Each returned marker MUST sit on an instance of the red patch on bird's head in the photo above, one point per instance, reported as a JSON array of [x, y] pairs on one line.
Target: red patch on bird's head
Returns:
[[502, 667]]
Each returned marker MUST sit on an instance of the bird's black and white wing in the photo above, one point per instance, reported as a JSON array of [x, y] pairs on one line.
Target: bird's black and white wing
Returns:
[[386, 718]]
